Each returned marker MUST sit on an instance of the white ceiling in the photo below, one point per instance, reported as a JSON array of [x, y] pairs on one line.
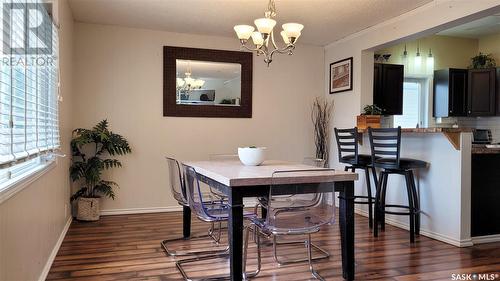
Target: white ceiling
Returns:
[[325, 20], [207, 69], [475, 29]]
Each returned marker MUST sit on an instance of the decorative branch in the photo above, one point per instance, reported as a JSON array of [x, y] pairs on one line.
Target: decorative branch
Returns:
[[321, 114]]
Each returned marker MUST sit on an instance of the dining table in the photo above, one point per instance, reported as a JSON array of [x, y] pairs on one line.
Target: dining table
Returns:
[[238, 181]]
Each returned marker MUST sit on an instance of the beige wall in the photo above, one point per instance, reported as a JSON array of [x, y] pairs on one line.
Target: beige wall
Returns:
[[119, 77], [32, 220], [448, 52], [491, 45]]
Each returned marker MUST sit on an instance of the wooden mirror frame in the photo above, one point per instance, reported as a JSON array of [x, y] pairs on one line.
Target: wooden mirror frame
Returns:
[[170, 106]]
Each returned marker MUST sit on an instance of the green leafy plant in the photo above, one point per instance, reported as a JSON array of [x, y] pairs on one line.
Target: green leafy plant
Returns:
[[372, 110], [91, 151], [482, 61]]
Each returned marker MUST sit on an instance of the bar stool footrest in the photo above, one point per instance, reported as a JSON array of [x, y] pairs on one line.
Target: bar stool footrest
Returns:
[[383, 210], [363, 197]]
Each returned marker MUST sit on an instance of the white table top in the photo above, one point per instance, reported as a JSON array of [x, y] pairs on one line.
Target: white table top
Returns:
[[234, 173]]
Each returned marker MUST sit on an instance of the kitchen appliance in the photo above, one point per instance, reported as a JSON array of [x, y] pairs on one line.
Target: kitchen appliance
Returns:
[[482, 136]]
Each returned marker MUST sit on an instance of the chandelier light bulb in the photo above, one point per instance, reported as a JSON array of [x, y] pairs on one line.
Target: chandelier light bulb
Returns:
[[244, 31], [257, 38], [292, 30], [199, 83], [189, 81], [285, 37], [265, 25]]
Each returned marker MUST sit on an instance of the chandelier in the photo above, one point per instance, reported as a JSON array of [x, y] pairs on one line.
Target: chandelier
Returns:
[[188, 83], [263, 38]]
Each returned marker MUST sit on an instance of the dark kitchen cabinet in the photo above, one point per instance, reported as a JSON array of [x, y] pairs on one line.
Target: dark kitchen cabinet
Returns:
[[498, 92], [485, 194], [450, 92], [388, 88], [481, 100]]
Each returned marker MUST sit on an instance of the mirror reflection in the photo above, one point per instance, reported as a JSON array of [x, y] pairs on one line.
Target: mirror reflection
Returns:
[[208, 83]]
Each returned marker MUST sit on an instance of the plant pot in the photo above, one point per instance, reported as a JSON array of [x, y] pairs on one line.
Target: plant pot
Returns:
[[87, 209], [365, 121]]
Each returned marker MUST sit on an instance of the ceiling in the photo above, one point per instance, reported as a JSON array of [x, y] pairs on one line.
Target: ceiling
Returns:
[[475, 29], [207, 69], [325, 20]]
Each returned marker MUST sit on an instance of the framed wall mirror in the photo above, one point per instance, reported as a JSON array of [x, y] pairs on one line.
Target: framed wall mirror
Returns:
[[207, 83]]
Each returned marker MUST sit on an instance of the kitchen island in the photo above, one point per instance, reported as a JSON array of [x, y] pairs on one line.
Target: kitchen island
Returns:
[[444, 187]]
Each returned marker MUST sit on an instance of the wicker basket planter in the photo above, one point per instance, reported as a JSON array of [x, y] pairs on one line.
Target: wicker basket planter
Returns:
[[87, 209]]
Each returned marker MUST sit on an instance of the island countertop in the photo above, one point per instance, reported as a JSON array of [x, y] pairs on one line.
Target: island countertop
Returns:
[[452, 134], [430, 130]]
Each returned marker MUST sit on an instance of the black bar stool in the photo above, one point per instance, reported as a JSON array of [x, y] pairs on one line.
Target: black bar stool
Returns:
[[347, 144], [386, 150]]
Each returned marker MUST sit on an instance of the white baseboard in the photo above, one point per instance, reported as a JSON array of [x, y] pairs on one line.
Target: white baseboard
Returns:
[[424, 232], [486, 239], [178, 208], [53, 254]]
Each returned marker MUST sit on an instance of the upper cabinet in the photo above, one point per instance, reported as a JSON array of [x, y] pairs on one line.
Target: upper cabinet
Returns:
[[482, 92], [388, 88], [450, 92], [461, 92]]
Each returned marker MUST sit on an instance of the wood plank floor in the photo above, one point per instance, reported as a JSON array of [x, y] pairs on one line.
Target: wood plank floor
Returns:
[[127, 247]]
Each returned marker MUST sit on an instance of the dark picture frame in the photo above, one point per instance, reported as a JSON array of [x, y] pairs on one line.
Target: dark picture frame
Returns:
[[341, 76], [170, 106]]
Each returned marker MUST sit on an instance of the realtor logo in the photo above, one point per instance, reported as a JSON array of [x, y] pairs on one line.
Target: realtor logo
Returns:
[[31, 24]]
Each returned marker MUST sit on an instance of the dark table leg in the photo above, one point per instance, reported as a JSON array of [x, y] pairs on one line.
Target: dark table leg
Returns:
[[263, 209], [346, 222], [186, 221], [235, 235]]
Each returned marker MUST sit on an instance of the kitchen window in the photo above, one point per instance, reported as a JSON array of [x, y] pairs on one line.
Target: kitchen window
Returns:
[[29, 86], [414, 100]]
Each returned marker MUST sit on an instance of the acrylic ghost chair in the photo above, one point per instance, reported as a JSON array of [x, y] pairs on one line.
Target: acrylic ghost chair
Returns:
[[211, 213], [300, 214], [176, 183], [262, 202]]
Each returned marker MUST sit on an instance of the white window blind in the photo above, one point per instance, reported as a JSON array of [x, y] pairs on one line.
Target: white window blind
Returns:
[[29, 80]]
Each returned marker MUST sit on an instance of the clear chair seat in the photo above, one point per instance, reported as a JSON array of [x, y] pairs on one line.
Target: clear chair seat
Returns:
[[288, 226], [220, 212]]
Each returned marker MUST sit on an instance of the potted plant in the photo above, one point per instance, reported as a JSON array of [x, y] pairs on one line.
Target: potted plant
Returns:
[[91, 150], [371, 117], [321, 115], [482, 61]]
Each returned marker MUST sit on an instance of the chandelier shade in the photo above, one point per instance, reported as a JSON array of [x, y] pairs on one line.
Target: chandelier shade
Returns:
[[265, 25], [257, 38], [244, 31], [263, 38]]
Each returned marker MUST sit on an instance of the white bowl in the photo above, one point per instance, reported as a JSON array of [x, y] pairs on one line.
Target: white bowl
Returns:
[[251, 156]]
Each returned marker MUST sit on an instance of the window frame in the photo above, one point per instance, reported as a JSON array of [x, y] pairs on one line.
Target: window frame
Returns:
[[424, 82], [33, 162]]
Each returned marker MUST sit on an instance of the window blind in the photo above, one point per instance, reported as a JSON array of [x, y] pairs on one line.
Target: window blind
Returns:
[[29, 83]]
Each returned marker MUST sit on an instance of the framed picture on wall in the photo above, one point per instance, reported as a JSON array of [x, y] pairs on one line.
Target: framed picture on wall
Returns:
[[341, 76]]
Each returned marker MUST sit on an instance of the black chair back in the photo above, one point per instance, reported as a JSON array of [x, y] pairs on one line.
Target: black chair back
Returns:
[[347, 143], [385, 144]]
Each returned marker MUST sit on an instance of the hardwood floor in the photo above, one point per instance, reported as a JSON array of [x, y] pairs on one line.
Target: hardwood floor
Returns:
[[127, 247]]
